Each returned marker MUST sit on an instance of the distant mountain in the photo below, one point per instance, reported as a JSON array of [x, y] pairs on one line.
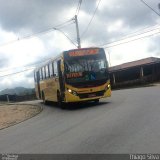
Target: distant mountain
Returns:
[[18, 91]]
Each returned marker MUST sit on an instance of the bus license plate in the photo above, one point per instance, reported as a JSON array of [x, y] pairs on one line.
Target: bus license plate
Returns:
[[91, 95]]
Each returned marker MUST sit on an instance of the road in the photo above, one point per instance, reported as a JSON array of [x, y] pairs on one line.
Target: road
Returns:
[[128, 122]]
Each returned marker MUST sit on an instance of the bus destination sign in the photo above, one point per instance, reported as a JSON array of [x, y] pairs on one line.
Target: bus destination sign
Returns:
[[84, 52], [74, 75]]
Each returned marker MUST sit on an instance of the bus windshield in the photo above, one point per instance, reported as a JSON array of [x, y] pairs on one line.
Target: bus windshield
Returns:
[[90, 69]]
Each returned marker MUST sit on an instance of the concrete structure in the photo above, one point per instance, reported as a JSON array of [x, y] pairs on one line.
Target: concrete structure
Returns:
[[17, 98], [137, 72]]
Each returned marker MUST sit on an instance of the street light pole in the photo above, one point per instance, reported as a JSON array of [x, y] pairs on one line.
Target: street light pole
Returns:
[[77, 30]]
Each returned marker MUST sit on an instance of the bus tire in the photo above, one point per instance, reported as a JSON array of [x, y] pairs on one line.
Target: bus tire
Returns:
[[43, 98], [96, 101], [59, 101]]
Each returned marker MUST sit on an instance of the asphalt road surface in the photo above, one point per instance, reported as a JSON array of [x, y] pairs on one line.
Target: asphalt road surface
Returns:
[[129, 122]]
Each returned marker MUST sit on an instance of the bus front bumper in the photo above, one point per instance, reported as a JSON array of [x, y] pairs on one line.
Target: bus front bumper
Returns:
[[73, 97]]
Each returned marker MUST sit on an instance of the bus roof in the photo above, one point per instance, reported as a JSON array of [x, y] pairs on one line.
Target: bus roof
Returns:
[[59, 55], [82, 49]]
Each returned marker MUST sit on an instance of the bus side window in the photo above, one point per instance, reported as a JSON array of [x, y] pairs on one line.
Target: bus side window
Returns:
[[40, 74], [55, 69], [35, 77], [46, 70], [51, 70], [43, 73]]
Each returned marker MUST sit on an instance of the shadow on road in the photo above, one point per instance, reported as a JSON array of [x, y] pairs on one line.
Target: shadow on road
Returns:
[[77, 106]]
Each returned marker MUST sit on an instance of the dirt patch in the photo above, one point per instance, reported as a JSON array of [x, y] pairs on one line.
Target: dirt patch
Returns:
[[13, 114]]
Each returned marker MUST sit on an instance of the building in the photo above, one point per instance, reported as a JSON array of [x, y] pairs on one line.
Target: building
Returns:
[[137, 72]]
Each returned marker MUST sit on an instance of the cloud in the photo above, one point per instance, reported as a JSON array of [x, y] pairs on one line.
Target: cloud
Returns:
[[25, 17], [16, 81], [29, 74], [154, 48], [131, 16], [113, 20], [3, 62], [32, 15]]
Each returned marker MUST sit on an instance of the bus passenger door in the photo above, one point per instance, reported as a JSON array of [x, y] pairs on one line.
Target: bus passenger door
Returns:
[[61, 81]]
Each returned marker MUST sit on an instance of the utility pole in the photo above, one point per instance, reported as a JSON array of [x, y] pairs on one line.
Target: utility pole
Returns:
[[7, 98], [77, 30]]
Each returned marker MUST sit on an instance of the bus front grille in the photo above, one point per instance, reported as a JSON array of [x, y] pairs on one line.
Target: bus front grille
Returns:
[[91, 95]]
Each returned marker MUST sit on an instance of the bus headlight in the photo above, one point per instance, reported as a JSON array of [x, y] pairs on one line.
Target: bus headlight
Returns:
[[107, 87], [72, 92], [69, 90]]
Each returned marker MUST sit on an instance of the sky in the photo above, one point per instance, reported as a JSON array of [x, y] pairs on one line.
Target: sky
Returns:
[[116, 25]]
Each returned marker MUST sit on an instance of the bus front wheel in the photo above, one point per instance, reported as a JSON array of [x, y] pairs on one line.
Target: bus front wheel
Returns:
[[59, 101], [96, 101]]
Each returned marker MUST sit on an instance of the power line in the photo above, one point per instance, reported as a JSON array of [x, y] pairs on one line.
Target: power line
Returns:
[[30, 65], [49, 29], [104, 47], [31, 68], [64, 23], [37, 63], [37, 33], [150, 7], [78, 7], [66, 36], [158, 25], [16, 72], [132, 36], [91, 19], [131, 40], [67, 24]]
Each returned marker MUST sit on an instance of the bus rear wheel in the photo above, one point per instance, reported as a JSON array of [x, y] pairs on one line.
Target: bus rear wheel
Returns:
[[43, 98]]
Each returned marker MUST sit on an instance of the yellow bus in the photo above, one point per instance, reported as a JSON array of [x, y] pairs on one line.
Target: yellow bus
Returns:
[[74, 76]]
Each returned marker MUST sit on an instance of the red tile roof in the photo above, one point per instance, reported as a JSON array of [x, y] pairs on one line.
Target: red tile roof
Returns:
[[140, 62]]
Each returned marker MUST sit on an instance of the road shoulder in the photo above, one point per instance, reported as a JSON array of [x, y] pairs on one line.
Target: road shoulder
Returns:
[[12, 114]]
